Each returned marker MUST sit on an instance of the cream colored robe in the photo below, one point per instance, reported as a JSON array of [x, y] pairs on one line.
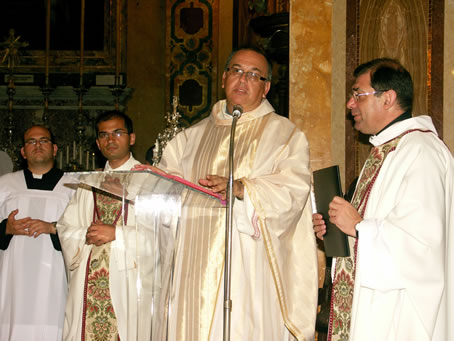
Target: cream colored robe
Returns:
[[274, 264], [72, 228], [404, 285]]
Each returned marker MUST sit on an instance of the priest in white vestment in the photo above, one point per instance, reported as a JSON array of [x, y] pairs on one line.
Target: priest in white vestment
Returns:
[[33, 284], [274, 264], [99, 253], [400, 219]]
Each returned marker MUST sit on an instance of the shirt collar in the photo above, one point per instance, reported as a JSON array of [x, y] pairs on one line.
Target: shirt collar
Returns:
[[131, 162]]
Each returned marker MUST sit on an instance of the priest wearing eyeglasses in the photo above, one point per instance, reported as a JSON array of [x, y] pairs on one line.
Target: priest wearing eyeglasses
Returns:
[[274, 265], [398, 282], [99, 243], [33, 283]]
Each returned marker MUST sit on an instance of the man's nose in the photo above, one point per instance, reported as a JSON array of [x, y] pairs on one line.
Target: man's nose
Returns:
[[351, 102]]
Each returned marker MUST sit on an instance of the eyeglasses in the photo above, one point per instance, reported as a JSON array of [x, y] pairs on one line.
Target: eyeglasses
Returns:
[[250, 75], [41, 141], [356, 96], [116, 134]]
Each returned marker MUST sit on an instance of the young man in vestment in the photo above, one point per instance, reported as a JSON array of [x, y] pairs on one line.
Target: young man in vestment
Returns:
[[397, 285], [274, 264], [33, 284], [96, 231]]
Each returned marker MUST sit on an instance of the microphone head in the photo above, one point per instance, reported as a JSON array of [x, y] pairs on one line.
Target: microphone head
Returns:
[[237, 110]]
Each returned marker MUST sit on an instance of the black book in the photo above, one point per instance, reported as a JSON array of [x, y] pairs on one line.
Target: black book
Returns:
[[327, 185]]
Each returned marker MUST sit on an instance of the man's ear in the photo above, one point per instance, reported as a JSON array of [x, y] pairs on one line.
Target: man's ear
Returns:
[[132, 139], [390, 98], [55, 150], [267, 88], [223, 78], [22, 152]]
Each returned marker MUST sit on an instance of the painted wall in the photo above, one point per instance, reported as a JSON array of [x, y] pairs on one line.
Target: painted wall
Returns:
[[145, 65]]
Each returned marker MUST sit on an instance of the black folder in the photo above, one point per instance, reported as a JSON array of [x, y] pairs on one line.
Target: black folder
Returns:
[[327, 185]]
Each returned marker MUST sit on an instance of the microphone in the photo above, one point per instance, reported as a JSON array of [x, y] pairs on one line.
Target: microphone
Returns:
[[237, 110]]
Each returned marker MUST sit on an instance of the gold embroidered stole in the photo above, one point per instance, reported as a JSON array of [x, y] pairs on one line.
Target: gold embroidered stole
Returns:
[[100, 323], [344, 277], [201, 241]]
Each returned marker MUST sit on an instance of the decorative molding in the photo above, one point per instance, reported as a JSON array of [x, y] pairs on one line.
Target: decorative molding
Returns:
[[192, 30], [418, 25]]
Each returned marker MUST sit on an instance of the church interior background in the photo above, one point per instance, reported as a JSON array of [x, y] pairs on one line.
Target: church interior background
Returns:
[[64, 61]]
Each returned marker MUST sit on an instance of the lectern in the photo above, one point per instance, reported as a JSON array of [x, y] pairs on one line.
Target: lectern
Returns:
[[155, 203]]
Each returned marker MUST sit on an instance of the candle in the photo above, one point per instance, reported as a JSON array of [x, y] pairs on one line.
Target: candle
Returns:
[[93, 161], [46, 61], [87, 163], [118, 45], [67, 154], [82, 29], [60, 159], [80, 156], [74, 150]]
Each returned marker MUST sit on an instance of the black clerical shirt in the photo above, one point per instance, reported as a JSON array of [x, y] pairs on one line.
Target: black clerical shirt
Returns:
[[47, 182]]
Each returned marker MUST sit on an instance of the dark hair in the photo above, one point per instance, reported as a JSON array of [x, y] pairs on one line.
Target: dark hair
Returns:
[[110, 115], [52, 137], [255, 49], [149, 155], [389, 74]]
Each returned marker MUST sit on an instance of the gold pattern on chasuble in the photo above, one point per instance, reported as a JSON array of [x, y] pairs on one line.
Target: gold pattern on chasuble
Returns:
[[201, 240], [344, 278], [100, 321]]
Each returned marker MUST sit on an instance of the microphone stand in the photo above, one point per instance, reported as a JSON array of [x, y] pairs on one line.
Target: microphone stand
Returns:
[[237, 111]]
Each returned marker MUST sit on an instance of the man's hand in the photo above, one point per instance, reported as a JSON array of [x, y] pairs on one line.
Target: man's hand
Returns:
[[113, 185], [19, 226], [142, 167], [37, 227], [319, 225], [99, 233], [28, 226], [344, 215], [218, 184]]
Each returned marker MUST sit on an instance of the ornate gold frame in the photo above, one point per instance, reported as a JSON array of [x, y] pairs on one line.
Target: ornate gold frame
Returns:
[[105, 61]]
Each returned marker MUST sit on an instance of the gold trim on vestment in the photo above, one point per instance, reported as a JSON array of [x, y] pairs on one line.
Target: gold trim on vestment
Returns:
[[202, 244]]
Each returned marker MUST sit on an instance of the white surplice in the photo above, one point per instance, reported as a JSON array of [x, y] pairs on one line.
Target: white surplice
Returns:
[[403, 286], [72, 229], [274, 264], [33, 283]]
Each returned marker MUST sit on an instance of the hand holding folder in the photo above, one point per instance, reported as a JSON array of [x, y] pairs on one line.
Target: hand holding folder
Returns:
[[327, 185]]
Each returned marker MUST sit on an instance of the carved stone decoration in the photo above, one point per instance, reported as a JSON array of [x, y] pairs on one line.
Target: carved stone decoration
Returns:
[[410, 31], [401, 32], [192, 57]]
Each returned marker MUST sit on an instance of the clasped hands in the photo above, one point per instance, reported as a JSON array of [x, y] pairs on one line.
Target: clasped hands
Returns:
[[342, 214], [27, 226], [99, 233]]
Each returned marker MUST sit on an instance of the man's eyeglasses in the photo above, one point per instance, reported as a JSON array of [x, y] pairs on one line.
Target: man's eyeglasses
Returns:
[[41, 141], [250, 75], [102, 135], [356, 96]]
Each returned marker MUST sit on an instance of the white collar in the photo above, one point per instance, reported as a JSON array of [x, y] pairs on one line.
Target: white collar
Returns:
[[131, 162]]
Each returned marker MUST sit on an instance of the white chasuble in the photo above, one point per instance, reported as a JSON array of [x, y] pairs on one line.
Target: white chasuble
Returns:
[[122, 268], [403, 287], [344, 277], [274, 265]]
